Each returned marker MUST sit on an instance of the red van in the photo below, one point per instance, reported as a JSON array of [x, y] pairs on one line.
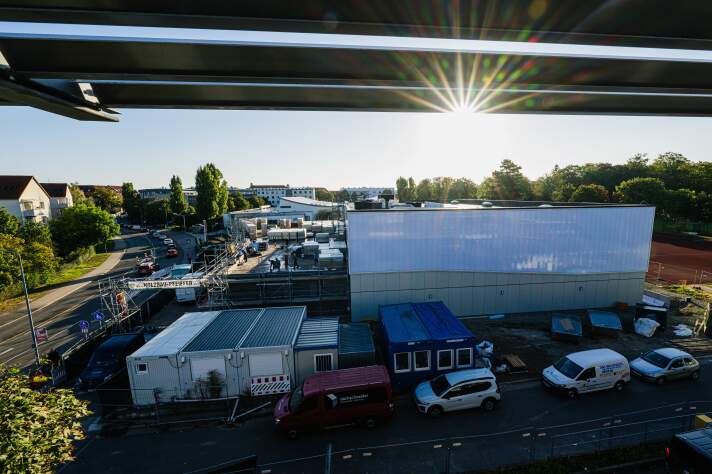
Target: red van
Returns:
[[339, 397]]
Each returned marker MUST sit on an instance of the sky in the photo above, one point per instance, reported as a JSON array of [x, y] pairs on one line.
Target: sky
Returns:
[[329, 149]]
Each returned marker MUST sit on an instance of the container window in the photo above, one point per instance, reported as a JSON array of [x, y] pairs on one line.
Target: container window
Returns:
[[464, 357], [401, 362], [445, 359], [141, 369], [421, 360], [322, 363]]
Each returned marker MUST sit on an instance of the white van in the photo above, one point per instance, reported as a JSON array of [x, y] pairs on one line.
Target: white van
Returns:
[[587, 371], [189, 294]]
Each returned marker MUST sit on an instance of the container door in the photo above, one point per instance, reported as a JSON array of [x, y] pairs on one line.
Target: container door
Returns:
[[208, 376], [267, 374]]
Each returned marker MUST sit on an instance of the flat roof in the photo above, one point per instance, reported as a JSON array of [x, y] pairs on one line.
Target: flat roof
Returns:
[[355, 338], [402, 324], [440, 322], [226, 331], [318, 332], [522, 205], [176, 336]]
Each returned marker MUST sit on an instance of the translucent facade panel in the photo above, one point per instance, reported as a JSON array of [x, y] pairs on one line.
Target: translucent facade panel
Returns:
[[545, 240]]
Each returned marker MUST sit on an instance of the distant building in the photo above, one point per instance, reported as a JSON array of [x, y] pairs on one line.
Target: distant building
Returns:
[[305, 206], [272, 192], [191, 195], [60, 197], [25, 198], [363, 193], [155, 194]]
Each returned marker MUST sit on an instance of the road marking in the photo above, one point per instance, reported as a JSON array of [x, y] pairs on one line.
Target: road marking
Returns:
[[6, 351], [367, 454], [455, 445], [346, 456], [437, 446]]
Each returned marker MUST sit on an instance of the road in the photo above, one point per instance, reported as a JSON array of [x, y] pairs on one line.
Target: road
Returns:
[[61, 319], [523, 406]]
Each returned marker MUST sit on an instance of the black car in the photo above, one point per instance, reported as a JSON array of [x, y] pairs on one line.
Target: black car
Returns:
[[109, 359], [690, 452]]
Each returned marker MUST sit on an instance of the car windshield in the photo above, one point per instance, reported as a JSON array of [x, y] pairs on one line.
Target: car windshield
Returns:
[[103, 359], [568, 368], [656, 359], [439, 385], [296, 399]]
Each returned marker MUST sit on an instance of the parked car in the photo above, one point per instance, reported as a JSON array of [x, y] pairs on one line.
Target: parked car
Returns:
[[148, 267], [338, 397], [459, 390], [167, 241], [690, 452], [171, 252], [587, 371], [665, 364], [109, 359]]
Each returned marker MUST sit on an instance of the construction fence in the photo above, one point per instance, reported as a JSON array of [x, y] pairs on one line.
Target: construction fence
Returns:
[[677, 274]]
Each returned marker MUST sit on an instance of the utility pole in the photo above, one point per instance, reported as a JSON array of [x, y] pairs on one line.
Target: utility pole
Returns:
[[27, 303]]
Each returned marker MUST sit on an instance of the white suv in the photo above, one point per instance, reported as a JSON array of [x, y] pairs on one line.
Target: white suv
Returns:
[[458, 391]]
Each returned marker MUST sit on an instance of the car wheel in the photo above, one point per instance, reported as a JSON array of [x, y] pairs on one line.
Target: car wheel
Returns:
[[292, 434], [435, 411], [572, 393], [695, 375], [370, 423], [660, 381], [619, 386], [489, 404]]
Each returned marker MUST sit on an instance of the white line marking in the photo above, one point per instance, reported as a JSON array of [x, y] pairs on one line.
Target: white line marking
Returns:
[[6, 351]]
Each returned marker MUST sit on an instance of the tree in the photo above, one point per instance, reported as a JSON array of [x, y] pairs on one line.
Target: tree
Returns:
[[39, 428], [462, 188], [34, 232], [257, 201], [639, 190], [237, 202], [441, 188], [673, 169], [156, 212], [322, 194], [342, 196], [82, 227], [508, 183], [107, 199], [425, 191], [8, 223], [78, 196], [132, 203], [38, 260], [590, 193], [680, 203], [402, 189], [212, 192], [178, 202]]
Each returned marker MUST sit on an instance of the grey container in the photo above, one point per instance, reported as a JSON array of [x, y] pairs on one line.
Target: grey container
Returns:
[[316, 349], [356, 348]]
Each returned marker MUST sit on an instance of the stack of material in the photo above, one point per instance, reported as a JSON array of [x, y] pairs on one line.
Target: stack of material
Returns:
[[566, 327], [316, 226], [310, 248], [307, 225], [330, 258], [321, 237], [284, 223], [327, 227], [286, 234], [264, 227]]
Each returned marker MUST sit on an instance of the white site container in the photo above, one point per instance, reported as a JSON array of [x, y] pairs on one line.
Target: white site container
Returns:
[[185, 295]]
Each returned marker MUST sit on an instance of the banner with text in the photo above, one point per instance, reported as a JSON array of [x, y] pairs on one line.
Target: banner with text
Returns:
[[164, 284]]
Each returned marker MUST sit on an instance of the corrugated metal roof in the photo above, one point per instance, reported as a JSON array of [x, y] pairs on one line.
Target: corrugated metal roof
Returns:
[[355, 338], [318, 332], [226, 331], [440, 322], [172, 339], [402, 324], [276, 327]]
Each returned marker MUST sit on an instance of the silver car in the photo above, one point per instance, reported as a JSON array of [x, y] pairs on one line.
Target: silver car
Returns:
[[665, 364], [457, 391]]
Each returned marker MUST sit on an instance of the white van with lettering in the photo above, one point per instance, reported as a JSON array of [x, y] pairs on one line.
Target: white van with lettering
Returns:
[[587, 371]]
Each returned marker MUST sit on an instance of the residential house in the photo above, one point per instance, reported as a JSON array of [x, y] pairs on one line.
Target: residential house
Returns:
[[60, 197], [25, 198]]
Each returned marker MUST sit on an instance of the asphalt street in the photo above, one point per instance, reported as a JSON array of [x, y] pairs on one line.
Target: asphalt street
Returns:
[[533, 423], [61, 319]]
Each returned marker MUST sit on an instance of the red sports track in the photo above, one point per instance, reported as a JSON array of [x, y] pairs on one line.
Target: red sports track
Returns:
[[676, 259]]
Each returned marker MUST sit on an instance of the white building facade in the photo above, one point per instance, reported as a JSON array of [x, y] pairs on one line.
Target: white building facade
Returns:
[[306, 207], [25, 198], [498, 260], [60, 197], [272, 192]]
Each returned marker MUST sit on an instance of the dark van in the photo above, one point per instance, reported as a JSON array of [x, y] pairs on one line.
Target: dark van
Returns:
[[690, 452], [335, 398], [109, 359]]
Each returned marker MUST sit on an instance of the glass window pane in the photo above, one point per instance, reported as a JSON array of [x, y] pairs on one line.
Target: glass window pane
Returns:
[[421, 360], [445, 359], [402, 362], [464, 357]]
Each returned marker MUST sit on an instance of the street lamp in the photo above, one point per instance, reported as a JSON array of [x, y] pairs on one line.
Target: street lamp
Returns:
[[27, 302]]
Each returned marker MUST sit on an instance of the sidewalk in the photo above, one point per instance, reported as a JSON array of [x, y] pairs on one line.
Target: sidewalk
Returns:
[[52, 296]]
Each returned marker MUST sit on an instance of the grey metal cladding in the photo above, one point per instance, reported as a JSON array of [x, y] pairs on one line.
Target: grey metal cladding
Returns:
[[276, 327], [226, 331], [318, 332]]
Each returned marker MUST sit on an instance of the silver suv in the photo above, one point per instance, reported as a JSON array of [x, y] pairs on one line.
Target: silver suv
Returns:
[[665, 364], [458, 391]]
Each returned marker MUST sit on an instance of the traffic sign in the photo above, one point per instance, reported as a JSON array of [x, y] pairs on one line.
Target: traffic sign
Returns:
[[84, 326], [41, 335], [98, 315]]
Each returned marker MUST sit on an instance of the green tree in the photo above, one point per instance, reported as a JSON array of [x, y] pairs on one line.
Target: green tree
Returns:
[[82, 227], [563, 193], [237, 202], [639, 190], [342, 196], [402, 189], [441, 188], [178, 202], [257, 201], [322, 194], [107, 199], [38, 260], [590, 193], [507, 183], [425, 191], [38, 429], [157, 212], [34, 232], [132, 203], [212, 192], [462, 188], [8, 223], [681, 203], [673, 169], [78, 196]]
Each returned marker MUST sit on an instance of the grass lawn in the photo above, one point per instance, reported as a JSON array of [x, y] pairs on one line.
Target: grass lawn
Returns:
[[66, 274]]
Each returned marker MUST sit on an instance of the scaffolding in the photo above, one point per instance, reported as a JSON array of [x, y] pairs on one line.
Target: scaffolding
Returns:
[[217, 259], [116, 301]]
